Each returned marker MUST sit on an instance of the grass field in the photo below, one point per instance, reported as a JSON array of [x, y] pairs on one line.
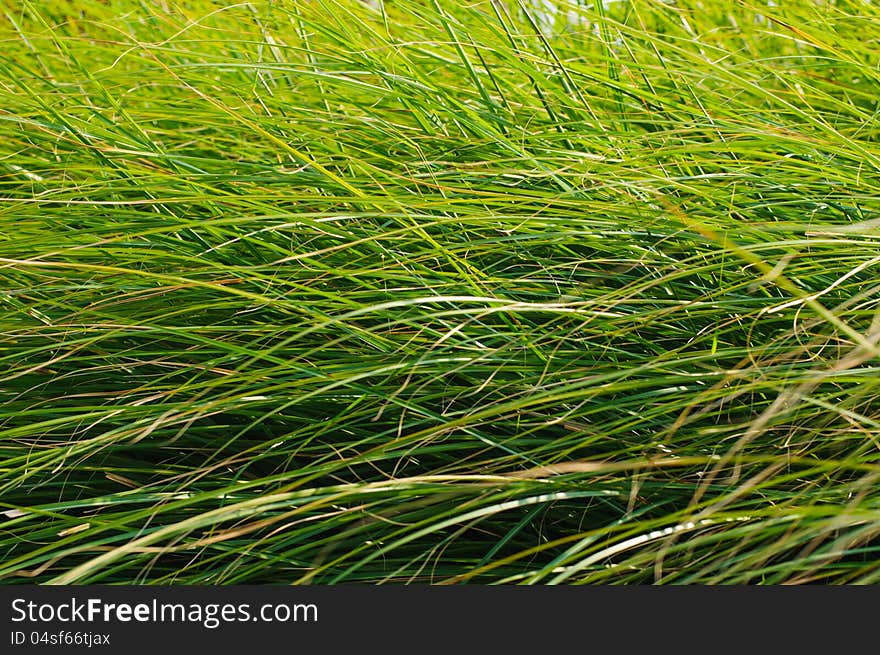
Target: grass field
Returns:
[[448, 292]]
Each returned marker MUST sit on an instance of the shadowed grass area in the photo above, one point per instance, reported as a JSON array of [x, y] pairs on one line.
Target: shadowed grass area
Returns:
[[439, 292]]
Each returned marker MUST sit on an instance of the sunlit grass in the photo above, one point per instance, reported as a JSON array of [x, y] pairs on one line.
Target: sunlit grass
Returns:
[[318, 292]]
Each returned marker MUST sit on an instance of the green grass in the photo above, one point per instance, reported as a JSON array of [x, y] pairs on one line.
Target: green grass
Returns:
[[312, 292]]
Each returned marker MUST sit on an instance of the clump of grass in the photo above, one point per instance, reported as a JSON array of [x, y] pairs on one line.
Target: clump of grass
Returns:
[[425, 291]]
